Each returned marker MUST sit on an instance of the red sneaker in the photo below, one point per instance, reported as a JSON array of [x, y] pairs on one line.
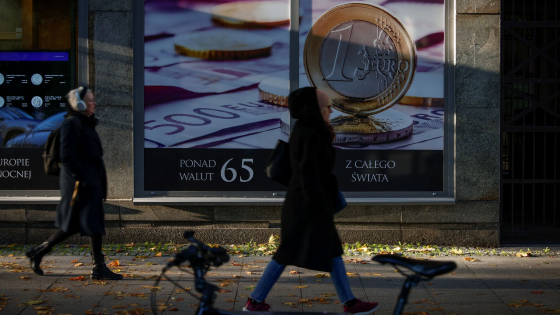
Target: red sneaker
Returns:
[[258, 307], [361, 308]]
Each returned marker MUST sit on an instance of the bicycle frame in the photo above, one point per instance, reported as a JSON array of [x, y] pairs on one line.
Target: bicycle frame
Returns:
[[202, 257]]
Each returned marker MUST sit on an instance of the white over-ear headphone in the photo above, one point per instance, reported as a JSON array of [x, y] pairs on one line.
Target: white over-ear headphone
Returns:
[[80, 104]]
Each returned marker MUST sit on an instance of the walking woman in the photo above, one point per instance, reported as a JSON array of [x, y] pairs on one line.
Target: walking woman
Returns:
[[83, 185], [308, 235]]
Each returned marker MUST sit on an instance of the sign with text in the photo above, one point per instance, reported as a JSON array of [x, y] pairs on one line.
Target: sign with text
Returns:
[[33, 88], [217, 78]]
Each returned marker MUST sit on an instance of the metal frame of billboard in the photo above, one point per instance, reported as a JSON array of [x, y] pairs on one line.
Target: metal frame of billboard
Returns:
[[444, 197], [81, 61]]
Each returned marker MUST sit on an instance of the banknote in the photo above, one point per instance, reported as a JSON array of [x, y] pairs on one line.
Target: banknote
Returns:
[[199, 121]]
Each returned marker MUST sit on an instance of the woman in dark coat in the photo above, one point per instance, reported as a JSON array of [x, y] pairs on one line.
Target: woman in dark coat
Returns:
[[83, 184], [308, 235]]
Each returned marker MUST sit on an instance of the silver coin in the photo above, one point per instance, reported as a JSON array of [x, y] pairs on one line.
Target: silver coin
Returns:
[[358, 59], [36, 79], [1, 101], [1, 78], [36, 101]]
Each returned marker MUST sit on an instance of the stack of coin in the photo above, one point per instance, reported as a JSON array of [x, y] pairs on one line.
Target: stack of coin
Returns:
[[426, 90], [257, 14], [275, 91], [223, 44], [389, 125]]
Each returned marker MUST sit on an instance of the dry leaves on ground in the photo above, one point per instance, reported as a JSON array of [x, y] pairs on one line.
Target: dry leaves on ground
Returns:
[[80, 278]]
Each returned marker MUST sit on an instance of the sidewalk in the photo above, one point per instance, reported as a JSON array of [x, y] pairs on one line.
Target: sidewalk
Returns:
[[488, 285]]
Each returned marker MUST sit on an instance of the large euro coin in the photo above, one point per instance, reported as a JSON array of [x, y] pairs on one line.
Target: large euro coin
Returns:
[[253, 14], [361, 56], [223, 44]]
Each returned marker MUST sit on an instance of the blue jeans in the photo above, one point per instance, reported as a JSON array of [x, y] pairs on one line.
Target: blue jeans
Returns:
[[274, 270]]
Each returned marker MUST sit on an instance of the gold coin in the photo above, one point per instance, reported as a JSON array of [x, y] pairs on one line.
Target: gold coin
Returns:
[[361, 56], [275, 91], [258, 14], [223, 44], [426, 90]]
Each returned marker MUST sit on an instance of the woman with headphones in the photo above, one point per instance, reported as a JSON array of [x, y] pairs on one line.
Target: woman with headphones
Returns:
[[83, 185]]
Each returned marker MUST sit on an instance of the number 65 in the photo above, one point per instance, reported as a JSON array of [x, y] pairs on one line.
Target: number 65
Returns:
[[234, 172]]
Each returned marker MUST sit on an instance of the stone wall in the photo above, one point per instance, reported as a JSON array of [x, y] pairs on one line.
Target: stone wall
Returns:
[[474, 220]]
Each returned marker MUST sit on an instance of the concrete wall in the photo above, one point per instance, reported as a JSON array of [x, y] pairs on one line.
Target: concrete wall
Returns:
[[474, 220]]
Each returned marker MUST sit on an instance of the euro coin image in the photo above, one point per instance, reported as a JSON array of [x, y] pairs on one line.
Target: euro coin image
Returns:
[[361, 56], [257, 14], [426, 90], [275, 91], [223, 44]]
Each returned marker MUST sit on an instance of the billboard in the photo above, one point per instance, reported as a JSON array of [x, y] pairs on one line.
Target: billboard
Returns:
[[216, 76], [382, 64], [33, 86]]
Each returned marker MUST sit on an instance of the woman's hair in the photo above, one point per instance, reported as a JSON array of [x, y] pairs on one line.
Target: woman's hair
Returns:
[[73, 99]]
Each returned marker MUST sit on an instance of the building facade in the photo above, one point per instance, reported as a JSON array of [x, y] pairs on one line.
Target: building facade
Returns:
[[497, 63]]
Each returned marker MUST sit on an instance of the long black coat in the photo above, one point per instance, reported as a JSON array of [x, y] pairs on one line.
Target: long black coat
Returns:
[[81, 160], [308, 235]]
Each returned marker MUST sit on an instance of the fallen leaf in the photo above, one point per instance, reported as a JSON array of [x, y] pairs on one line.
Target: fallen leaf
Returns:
[[301, 286], [470, 259], [80, 278], [114, 263], [523, 254], [321, 275], [173, 309], [74, 261], [230, 300], [456, 252], [119, 306], [420, 249], [158, 254], [537, 292], [24, 278], [294, 272], [290, 303]]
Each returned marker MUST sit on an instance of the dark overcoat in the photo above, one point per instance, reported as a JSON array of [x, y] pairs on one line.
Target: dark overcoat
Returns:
[[308, 235], [81, 160]]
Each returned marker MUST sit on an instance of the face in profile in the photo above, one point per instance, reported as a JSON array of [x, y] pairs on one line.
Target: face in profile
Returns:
[[89, 99], [325, 105]]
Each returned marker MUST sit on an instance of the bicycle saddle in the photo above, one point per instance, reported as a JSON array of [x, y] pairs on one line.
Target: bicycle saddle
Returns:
[[426, 268]]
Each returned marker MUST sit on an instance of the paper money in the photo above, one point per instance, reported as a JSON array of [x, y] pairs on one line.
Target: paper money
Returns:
[[199, 121]]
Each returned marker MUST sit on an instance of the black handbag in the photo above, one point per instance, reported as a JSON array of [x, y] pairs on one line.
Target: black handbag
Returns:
[[278, 167]]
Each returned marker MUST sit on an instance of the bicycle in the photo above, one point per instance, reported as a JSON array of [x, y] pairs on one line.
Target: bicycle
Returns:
[[201, 257]]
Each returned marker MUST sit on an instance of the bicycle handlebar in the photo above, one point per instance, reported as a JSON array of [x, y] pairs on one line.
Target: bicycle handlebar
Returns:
[[200, 253]]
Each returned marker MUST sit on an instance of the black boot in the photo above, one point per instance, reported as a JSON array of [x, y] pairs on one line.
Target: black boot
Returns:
[[35, 256], [99, 271]]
